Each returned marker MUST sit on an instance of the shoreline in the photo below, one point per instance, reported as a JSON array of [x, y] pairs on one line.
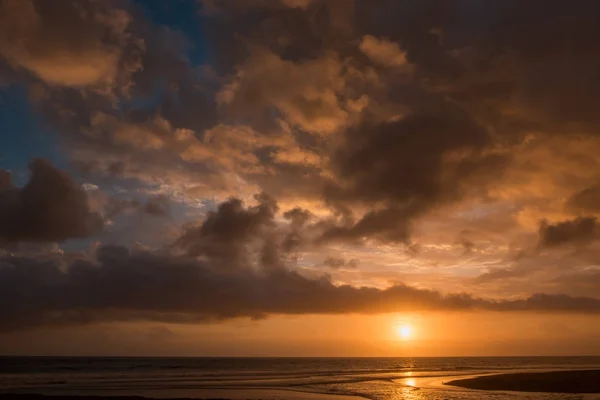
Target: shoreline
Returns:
[[570, 381], [184, 394], [36, 396], [32, 396], [566, 381]]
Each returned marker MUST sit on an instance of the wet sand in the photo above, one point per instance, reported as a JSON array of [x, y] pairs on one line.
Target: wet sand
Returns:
[[583, 381], [22, 396], [78, 397], [211, 394]]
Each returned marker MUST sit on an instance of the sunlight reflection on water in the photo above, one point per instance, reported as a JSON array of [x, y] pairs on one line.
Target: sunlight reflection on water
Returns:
[[424, 389], [374, 379]]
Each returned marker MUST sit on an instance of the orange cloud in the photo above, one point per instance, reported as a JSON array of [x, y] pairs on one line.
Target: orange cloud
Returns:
[[66, 44]]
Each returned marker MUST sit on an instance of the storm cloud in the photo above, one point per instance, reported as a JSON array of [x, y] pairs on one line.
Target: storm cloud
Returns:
[[283, 135], [51, 207], [227, 267], [580, 230], [124, 285], [403, 169]]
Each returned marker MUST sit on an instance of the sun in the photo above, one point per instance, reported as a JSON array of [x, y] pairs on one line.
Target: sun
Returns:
[[404, 331]]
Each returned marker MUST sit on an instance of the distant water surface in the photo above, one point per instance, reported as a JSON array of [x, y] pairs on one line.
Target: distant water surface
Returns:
[[274, 378]]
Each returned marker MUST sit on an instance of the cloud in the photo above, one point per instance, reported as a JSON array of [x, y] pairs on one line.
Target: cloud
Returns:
[[294, 33], [297, 3], [402, 169], [580, 230], [306, 94], [337, 263], [156, 206], [383, 52], [229, 234], [74, 43], [6, 180], [466, 244], [400, 126], [114, 87], [586, 200], [581, 283], [50, 207], [229, 266], [122, 284]]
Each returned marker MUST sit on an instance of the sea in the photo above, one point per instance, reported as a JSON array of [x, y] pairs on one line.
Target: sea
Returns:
[[275, 378]]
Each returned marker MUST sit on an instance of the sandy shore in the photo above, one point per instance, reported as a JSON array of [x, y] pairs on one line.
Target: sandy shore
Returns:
[[213, 394], [585, 381], [44, 397], [22, 396]]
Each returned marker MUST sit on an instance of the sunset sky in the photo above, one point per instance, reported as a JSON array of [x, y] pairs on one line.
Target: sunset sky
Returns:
[[299, 177]]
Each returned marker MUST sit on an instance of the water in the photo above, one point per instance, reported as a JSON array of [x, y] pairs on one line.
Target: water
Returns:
[[274, 378]]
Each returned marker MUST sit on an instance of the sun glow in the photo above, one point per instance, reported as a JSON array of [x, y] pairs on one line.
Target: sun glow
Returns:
[[404, 331]]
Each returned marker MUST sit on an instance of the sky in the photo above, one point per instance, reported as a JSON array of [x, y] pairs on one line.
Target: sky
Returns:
[[299, 177]]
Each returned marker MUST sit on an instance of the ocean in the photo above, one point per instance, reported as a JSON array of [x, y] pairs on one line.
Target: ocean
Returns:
[[274, 378]]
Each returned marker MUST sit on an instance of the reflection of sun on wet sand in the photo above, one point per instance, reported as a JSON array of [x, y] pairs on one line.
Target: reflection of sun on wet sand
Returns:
[[584, 381], [216, 394]]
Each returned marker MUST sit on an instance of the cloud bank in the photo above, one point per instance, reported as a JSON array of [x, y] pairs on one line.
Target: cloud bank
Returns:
[[51, 207], [449, 145], [232, 265]]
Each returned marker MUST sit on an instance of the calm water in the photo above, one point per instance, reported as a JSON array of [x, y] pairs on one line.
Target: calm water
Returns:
[[273, 378]]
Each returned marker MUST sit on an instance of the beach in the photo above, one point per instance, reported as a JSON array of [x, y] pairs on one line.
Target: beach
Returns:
[[580, 381], [556, 382], [12, 396], [23, 396], [202, 394], [123, 378], [265, 395]]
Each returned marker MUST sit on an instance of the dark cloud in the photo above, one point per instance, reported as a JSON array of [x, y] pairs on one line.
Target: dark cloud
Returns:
[[294, 33], [580, 230], [139, 285], [182, 92], [500, 274], [292, 61], [405, 168], [6, 180], [482, 78], [581, 283], [51, 207], [158, 206], [298, 216], [119, 206], [297, 234], [377, 115], [557, 46], [500, 53], [337, 263], [199, 282], [114, 87], [228, 234], [467, 245], [587, 200], [155, 206]]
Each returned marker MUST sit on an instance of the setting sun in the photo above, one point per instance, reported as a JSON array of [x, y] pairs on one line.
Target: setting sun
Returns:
[[299, 199], [404, 331]]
